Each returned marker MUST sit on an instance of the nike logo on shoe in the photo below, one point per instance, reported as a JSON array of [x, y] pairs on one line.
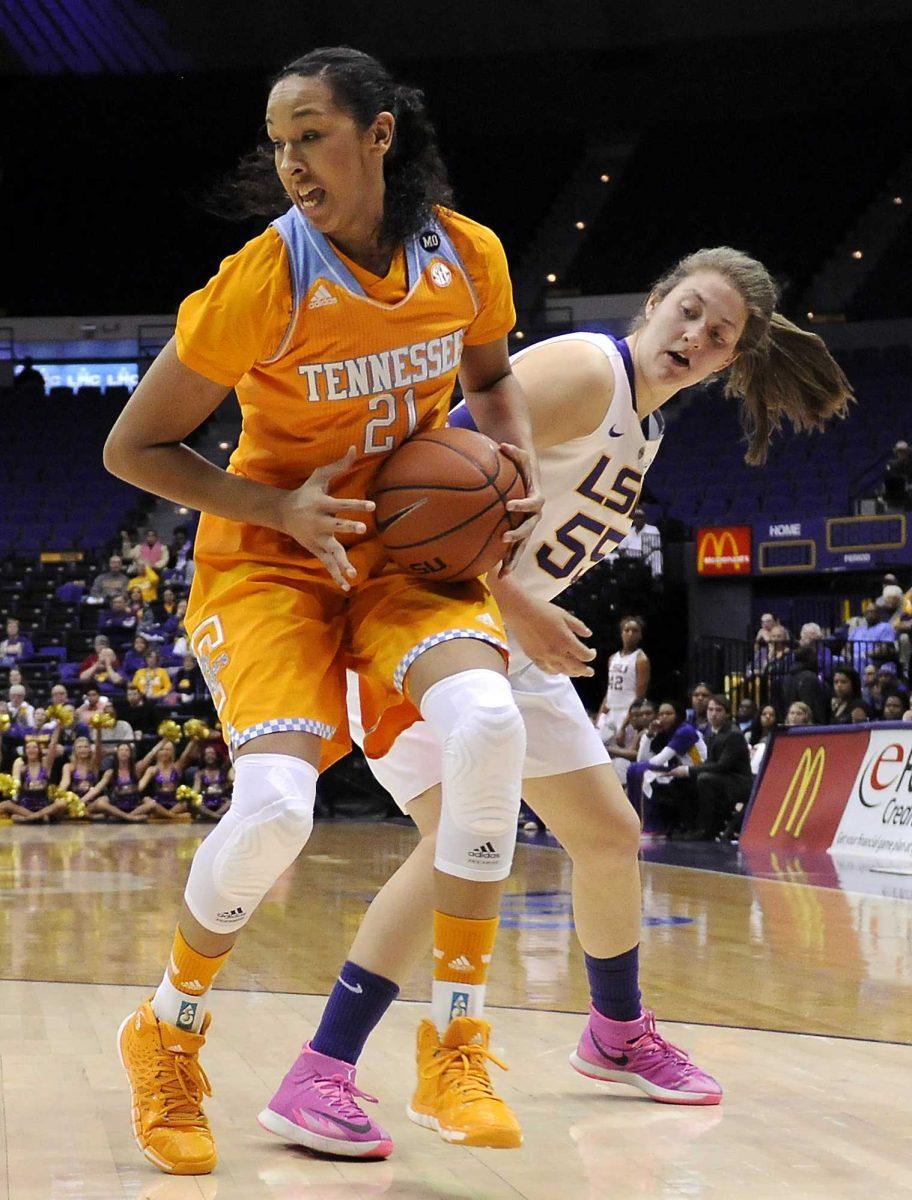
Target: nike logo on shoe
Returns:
[[352, 987], [620, 1060], [352, 1126]]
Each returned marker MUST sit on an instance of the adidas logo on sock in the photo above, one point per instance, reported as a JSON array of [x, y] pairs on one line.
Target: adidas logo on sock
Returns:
[[192, 986], [321, 297], [487, 852], [461, 964]]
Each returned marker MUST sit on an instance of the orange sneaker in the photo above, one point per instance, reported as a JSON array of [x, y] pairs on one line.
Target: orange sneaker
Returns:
[[454, 1093], [167, 1085]]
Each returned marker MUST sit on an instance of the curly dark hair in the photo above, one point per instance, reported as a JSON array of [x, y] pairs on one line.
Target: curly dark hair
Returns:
[[414, 172]]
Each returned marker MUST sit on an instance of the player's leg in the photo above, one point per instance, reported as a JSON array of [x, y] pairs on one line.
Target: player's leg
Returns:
[[463, 694], [277, 749], [591, 817]]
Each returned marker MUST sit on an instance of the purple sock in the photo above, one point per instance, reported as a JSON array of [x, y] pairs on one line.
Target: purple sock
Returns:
[[355, 1007], [614, 985]]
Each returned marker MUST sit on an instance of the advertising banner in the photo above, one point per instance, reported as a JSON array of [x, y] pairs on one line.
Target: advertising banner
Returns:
[[801, 794], [877, 819], [724, 550]]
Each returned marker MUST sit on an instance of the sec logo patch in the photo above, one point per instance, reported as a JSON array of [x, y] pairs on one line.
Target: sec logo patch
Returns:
[[430, 240], [441, 274]]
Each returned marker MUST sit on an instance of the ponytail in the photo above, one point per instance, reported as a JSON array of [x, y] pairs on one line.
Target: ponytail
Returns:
[[780, 371], [414, 172], [792, 376]]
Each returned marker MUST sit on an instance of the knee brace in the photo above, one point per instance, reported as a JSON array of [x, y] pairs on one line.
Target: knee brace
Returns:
[[264, 831], [481, 730]]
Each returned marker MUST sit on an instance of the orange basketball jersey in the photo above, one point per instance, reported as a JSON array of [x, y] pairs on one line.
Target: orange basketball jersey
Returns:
[[323, 355]]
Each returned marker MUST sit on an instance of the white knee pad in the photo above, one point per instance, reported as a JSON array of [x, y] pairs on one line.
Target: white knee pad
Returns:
[[264, 831], [484, 744]]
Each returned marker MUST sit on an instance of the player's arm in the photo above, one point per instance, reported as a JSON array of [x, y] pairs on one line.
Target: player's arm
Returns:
[[146, 448], [546, 632], [642, 676], [499, 410], [569, 386]]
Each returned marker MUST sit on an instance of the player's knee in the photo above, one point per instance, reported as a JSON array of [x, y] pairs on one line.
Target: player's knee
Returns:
[[267, 826], [482, 769]]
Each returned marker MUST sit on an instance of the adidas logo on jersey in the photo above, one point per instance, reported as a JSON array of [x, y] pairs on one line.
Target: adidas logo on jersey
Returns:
[[461, 964], [486, 853], [321, 297]]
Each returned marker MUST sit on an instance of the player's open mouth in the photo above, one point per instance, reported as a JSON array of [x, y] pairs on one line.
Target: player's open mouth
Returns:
[[311, 198], [680, 359]]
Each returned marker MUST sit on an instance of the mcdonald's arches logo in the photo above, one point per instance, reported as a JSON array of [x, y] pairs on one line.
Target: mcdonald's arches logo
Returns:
[[724, 550], [801, 793]]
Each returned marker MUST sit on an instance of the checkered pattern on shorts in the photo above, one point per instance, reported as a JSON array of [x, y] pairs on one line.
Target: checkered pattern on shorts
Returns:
[[435, 640], [237, 737]]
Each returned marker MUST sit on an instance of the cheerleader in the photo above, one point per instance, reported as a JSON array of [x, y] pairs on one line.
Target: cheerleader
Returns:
[[213, 783], [82, 774], [121, 798], [32, 777], [162, 768]]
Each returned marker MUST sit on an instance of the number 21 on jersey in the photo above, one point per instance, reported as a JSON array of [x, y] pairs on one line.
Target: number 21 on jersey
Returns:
[[385, 409]]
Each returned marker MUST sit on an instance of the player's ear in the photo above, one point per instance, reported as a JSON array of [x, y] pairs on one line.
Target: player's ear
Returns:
[[381, 132], [649, 308]]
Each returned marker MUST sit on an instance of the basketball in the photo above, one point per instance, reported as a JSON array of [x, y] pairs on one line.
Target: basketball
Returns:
[[442, 504]]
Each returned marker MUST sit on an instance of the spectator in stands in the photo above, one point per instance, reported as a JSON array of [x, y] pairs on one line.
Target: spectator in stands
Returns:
[[94, 702], [747, 715], [768, 623], [181, 641], [102, 666], [763, 728], [861, 713], [869, 686], [59, 694], [141, 609], [13, 677], [873, 632], [20, 710], [659, 796], [166, 606], [699, 702], [644, 541], [152, 680], [120, 731], [846, 694], [799, 713], [625, 741], [213, 782], [897, 483], [135, 658], [28, 378], [893, 708], [118, 621], [173, 625], [803, 683], [139, 711], [812, 635], [15, 647], [151, 553], [892, 603], [723, 780], [188, 682], [890, 684], [180, 556], [113, 582]]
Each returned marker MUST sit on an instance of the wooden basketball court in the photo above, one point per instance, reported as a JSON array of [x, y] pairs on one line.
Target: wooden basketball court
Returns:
[[795, 995]]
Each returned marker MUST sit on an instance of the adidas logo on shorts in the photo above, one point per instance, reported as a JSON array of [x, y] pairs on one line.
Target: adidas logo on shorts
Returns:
[[486, 853], [461, 964], [321, 297]]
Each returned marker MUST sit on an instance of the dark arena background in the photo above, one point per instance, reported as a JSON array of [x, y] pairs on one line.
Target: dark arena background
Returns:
[[602, 143]]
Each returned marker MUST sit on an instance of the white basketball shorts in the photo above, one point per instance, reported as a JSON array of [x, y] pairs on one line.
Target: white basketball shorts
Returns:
[[560, 736]]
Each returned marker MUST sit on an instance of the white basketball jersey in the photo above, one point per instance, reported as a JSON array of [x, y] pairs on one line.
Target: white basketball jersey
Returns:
[[622, 680], [591, 484]]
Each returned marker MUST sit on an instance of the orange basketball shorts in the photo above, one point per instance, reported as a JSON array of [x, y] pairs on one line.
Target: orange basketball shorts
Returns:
[[274, 636]]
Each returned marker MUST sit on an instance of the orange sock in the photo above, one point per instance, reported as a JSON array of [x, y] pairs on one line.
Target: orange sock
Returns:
[[462, 953], [188, 970]]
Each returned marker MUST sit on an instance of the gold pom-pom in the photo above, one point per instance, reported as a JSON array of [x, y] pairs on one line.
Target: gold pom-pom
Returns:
[[9, 788], [102, 720], [194, 728], [53, 791], [170, 731], [5, 722], [61, 714], [185, 792], [76, 808]]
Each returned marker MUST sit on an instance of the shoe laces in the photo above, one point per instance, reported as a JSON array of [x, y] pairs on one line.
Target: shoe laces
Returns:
[[342, 1095], [464, 1068], [182, 1083], [651, 1043]]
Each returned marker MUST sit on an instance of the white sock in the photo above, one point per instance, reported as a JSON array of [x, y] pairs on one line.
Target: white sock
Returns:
[[453, 999], [179, 1008]]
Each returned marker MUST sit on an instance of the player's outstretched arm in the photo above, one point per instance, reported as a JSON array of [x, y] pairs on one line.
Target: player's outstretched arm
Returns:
[[547, 633]]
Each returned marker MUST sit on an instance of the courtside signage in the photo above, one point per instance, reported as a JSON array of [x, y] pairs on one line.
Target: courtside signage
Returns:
[[800, 797], [724, 550], [877, 821]]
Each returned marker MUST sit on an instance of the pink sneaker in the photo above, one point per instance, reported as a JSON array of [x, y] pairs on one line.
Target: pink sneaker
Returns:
[[633, 1052], [316, 1106]]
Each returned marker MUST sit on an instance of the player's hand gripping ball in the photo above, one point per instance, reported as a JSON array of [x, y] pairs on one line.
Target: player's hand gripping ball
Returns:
[[442, 504]]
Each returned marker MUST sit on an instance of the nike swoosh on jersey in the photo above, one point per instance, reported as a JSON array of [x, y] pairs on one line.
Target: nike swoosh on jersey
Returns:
[[613, 433]]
